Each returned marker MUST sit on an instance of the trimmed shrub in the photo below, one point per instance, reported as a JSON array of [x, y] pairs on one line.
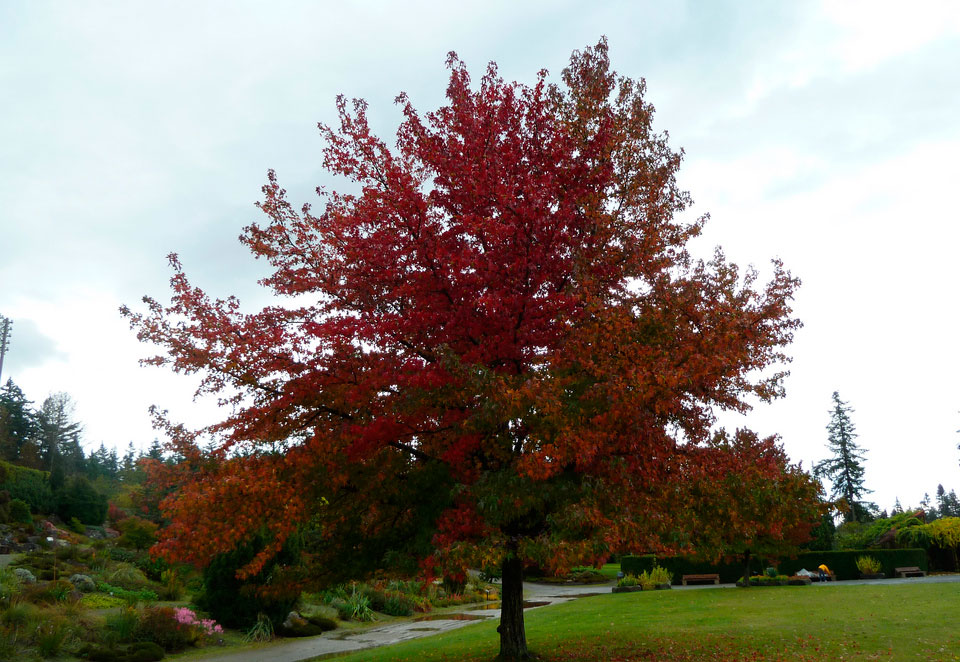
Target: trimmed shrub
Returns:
[[127, 576], [20, 512], [81, 500], [28, 485]]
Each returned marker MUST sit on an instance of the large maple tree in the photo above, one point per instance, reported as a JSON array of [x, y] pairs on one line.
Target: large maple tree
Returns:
[[498, 345]]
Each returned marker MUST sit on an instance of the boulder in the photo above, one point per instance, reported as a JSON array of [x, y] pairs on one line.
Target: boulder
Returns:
[[294, 620]]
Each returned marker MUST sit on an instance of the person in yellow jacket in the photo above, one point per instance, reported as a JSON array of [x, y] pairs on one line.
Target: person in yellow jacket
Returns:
[[824, 572]]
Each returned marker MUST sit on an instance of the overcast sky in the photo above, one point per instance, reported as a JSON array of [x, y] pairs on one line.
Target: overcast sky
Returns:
[[826, 134]]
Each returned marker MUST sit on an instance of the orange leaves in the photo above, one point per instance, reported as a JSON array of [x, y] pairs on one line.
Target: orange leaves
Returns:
[[504, 317]]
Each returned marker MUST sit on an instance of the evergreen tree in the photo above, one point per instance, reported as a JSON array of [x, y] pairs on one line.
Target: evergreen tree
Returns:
[[897, 508], [950, 506], [155, 452], [18, 421], [58, 434], [929, 509], [845, 468], [103, 463], [129, 471]]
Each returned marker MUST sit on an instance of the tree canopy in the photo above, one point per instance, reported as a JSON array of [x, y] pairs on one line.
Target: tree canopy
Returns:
[[499, 344]]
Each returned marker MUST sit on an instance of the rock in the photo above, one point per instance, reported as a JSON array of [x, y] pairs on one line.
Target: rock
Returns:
[[83, 583], [25, 575], [294, 620]]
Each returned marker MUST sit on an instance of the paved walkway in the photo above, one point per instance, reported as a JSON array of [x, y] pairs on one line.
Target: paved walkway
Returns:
[[340, 641]]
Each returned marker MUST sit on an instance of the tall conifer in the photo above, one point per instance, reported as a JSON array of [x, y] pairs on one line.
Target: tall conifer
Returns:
[[845, 468]]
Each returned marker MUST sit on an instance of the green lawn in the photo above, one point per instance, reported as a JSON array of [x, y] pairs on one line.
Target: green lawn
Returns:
[[810, 623]]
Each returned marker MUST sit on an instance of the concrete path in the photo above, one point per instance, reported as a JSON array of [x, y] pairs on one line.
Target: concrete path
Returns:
[[340, 641]]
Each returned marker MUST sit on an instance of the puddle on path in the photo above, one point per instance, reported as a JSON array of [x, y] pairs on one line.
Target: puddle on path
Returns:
[[527, 604], [423, 629], [449, 617]]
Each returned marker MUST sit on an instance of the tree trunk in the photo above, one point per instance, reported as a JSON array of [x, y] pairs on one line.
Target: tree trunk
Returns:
[[746, 568], [513, 637]]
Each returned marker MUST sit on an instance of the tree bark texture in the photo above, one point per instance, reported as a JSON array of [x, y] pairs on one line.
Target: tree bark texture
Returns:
[[513, 637], [746, 568]]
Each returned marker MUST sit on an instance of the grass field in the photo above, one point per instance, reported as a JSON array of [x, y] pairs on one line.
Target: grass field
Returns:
[[810, 623]]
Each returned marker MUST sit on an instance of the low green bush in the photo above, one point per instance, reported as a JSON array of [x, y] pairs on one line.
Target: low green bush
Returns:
[[101, 601], [127, 576], [48, 592], [141, 651], [121, 554], [386, 601], [161, 626], [141, 595], [628, 580], [22, 615], [50, 636], [868, 565], [122, 625]]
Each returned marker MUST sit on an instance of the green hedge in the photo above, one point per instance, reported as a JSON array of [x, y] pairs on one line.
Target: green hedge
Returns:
[[843, 564], [28, 485], [679, 566]]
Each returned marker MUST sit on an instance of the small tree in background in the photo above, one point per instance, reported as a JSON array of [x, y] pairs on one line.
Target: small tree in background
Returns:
[[758, 506], [137, 532], [845, 468]]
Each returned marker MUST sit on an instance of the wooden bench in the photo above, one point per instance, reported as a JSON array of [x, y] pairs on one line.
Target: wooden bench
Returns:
[[701, 578], [911, 571]]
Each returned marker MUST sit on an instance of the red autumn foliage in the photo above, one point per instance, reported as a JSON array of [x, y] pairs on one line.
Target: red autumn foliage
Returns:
[[503, 323]]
